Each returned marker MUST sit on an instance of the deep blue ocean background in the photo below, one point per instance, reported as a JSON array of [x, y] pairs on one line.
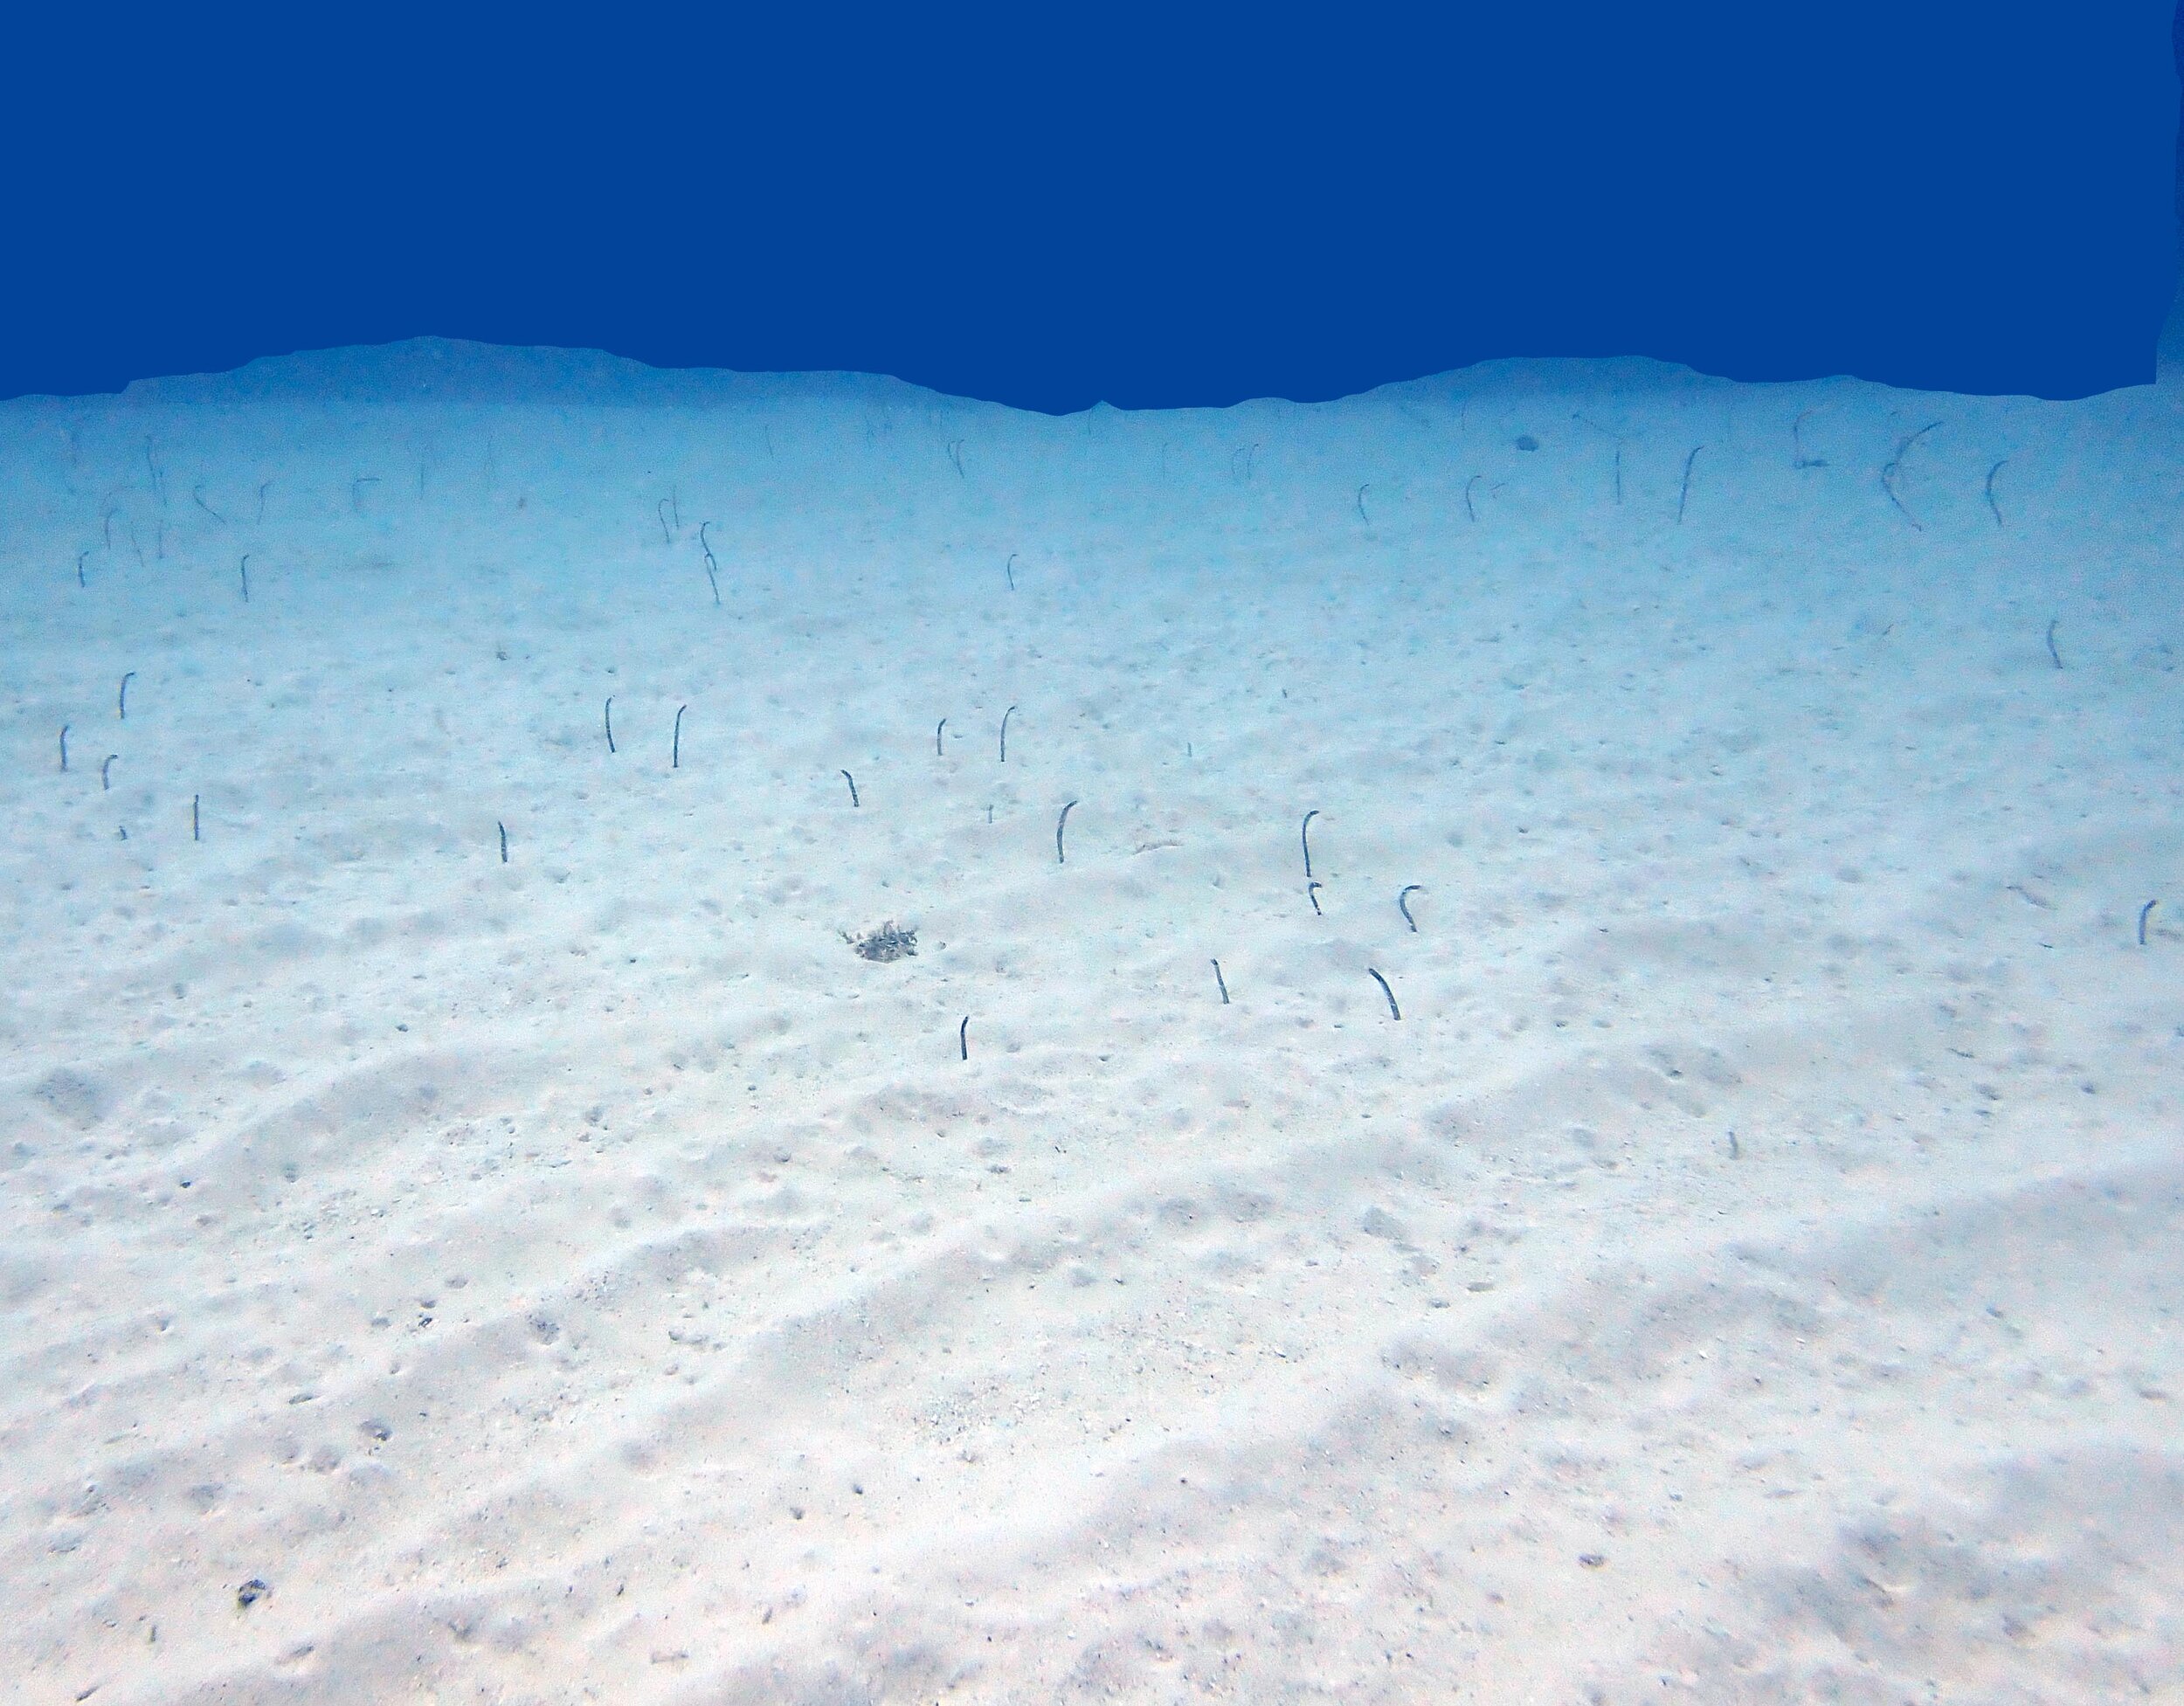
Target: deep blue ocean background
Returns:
[[1148, 205]]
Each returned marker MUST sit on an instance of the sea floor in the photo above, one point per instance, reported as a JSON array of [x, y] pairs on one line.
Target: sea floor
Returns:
[[474, 1228]]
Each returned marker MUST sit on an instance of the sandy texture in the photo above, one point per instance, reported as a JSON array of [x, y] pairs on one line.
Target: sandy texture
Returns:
[[1748, 1269]]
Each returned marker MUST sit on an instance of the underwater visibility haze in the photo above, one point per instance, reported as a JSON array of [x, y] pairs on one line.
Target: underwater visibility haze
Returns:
[[1154, 856]]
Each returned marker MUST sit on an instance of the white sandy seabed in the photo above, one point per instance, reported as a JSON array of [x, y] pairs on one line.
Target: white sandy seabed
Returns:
[[1748, 1269]]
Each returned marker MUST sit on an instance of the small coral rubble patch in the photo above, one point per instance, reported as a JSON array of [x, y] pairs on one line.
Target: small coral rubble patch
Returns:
[[887, 944]]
